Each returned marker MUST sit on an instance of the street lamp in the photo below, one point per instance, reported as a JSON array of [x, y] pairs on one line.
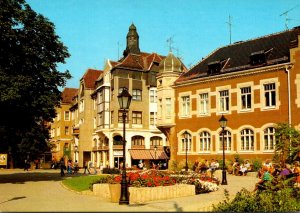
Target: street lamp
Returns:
[[124, 101], [155, 148], [75, 149], [186, 135], [223, 122]]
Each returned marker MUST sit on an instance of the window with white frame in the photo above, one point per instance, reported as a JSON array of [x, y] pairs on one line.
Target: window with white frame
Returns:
[[156, 140], [227, 140], [136, 117], [153, 96], [160, 110], [67, 130], [247, 140], [203, 105], [168, 107], [120, 117], [100, 97], [269, 139], [58, 131], [137, 141], [67, 115], [224, 101], [186, 143], [204, 141], [81, 105], [270, 95], [185, 105], [137, 94], [246, 98], [153, 118], [100, 118]]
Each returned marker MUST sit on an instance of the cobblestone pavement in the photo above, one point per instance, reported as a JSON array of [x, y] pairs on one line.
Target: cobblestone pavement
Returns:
[[41, 191]]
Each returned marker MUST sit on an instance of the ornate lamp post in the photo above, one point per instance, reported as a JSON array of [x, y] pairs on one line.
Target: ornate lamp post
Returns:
[[75, 150], [223, 123], [124, 101], [155, 148], [186, 137]]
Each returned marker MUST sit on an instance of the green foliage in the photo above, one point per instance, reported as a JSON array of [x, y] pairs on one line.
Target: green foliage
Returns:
[[174, 165], [29, 80], [257, 164], [238, 158], [111, 171], [82, 183], [279, 196], [287, 143]]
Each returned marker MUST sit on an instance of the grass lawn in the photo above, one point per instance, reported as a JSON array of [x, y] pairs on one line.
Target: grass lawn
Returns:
[[81, 183]]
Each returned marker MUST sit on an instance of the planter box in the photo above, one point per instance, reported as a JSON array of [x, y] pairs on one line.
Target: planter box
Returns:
[[138, 195]]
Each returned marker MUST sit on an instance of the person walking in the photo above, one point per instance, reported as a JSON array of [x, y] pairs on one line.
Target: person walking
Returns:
[[93, 166], [86, 167], [62, 167]]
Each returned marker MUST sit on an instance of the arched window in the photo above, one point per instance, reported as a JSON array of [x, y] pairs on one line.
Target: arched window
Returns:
[[269, 138], [204, 141], [117, 140], [227, 140], [155, 140], [186, 143], [137, 140], [247, 140]]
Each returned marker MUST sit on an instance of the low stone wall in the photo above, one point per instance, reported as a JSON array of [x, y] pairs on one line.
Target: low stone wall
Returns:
[[102, 190], [138, 195]]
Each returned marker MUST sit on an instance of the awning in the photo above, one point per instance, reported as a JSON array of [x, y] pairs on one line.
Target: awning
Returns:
[[147, 154]]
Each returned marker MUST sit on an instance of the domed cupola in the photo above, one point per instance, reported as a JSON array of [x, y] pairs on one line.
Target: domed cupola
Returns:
[[170, 64]]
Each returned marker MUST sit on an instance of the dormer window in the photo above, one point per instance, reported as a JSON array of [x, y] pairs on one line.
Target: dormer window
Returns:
[[214, 67], [258, 58]]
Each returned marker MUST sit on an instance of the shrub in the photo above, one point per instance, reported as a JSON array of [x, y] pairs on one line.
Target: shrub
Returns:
[[278, 197], [111, 171], [238, 158], [257, 164]]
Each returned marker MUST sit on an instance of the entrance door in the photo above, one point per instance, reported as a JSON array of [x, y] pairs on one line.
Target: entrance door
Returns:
[[86, 156], [117, 161]]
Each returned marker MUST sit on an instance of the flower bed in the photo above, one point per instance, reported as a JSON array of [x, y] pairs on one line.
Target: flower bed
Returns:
[[158, 178]]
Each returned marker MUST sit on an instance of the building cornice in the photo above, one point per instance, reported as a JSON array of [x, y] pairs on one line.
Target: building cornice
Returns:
[[231, 75]]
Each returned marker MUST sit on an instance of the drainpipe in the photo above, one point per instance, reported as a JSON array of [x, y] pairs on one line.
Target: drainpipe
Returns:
[[289, 95], [287, 69]]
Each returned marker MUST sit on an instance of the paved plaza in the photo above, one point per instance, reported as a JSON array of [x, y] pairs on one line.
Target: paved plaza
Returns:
[[41, 191]]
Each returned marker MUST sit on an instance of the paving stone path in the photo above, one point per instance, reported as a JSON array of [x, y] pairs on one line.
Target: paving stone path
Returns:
[[41, 191]]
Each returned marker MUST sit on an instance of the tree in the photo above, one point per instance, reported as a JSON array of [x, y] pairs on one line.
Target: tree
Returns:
[[30, 52], [287, 143]]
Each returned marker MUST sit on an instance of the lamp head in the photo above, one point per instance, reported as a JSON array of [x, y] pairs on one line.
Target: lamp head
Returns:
[[124, 99], [186, 134], [223, 121]]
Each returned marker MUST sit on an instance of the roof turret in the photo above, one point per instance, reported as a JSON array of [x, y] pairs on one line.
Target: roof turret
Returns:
[[170, 64]]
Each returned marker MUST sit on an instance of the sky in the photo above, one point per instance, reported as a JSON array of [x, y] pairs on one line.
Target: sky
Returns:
[[95, 30]]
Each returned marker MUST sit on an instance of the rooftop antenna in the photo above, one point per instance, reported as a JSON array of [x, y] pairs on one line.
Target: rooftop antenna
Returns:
[[178, 55], [286, 16], [170, 43], [229, 25]]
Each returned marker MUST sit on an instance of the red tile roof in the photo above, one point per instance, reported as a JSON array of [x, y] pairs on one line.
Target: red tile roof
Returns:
[[68, 94], [90, 77], [142, 61]]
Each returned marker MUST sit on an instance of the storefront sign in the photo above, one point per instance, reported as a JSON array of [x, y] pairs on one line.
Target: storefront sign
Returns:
[[3, 159]]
